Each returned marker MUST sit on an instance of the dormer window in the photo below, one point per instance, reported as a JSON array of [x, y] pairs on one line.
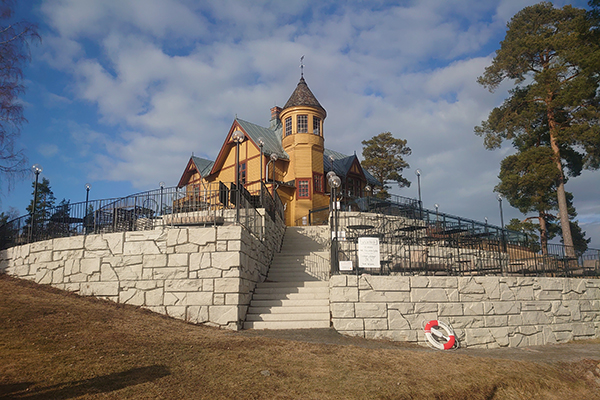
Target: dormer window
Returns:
[[302, 123], [317, 125], [288, 126]]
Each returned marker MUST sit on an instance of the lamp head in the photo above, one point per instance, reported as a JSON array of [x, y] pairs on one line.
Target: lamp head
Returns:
[[274, 157], [88, 186], [161, 184], [418, 172], [335, 181], [261, 142], [329, 175], [368, 188], [36, 168], [237, 136]]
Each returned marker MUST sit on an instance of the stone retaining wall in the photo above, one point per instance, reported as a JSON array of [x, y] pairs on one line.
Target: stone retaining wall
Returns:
[[201, 275], [484, 311]]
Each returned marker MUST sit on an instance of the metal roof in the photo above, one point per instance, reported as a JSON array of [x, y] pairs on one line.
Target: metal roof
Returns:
[[271, 138], [302, 96], [341, 165], [203, 165]]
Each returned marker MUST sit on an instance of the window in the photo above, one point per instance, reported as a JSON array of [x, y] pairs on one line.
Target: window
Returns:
[[318, 183], [288, 126], [243, 173], [316, 125], [302, 123], [303, 188]]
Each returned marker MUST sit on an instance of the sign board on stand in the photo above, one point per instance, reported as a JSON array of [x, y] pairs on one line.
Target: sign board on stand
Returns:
[[368, 252]]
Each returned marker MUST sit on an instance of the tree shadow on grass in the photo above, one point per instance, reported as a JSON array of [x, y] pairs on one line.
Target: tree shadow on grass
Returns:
[[100, 384]]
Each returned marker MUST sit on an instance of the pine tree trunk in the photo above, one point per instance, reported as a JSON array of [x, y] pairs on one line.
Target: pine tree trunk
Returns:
[[543, 233], [560, 192]]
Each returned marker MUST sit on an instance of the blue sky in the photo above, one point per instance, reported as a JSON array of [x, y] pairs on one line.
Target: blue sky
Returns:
[[120, 93]]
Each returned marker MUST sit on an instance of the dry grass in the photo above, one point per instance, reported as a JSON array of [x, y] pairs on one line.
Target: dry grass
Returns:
[[55, 345]]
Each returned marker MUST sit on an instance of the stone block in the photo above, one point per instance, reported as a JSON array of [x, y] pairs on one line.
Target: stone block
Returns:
[[90, 265], [209, 273], [500, 335], [550, 283], [222, 245], [225, 260], [421, 308], [39, 257], [43, 277], [337, 281], [375, 324], [197, 314], [492, 321], [177, 260], [219, 299], [178, 312], [99, 289], [348, 324], [536, 306], [473, 308], [371, 296], [232, 232], [68, 243], [176, 236], [433, 295], [208, 285], [584, 329], [491, 285], [199, 299], [352, 280], [130, 273], [202, 236], [67, 255], [227, 285], [397, 321], [170, 273], [234, 245], [404, 308], [446, 309], [548, 295], [479, 336], [446, 282], [132, 296], [154, 260], [141, 247], [343, 294], [419, 281], [237, 298], [107, 273], [183, 285], [342, 310], [467, 322], [154, 297], [174, 298], [223, 315], [370, 310], [535, 318], [468, 285], [387, 283]]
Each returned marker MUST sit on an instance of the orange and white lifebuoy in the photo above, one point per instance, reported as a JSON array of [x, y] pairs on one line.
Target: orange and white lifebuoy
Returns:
[[437, 338]]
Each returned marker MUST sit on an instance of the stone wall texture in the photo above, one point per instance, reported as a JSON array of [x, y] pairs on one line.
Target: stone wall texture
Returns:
[[484, 311], [198, 274]]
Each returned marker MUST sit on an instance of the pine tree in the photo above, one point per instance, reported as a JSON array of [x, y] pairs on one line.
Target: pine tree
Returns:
[[383, 158], [553, 57]]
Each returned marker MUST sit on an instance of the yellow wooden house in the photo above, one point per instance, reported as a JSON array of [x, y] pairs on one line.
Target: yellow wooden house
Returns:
[[294, 159]]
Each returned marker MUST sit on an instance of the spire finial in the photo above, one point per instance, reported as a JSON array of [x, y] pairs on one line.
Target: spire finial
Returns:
[[302, 67]]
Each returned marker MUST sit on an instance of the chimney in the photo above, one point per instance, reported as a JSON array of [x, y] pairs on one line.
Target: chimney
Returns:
[[275, 111]]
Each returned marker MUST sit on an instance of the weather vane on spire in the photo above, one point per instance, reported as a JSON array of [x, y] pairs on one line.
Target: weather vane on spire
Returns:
[[302, 67]]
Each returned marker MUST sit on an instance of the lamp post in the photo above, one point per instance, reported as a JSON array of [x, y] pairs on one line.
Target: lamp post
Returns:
[[334, 183], [273, 158], [499, 197], [161, 184], [238, 138], [88, 186], [261, 143], [418, 173], [37, 169]]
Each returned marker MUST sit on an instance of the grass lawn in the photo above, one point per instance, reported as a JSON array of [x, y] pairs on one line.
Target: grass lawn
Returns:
[[56, 345]]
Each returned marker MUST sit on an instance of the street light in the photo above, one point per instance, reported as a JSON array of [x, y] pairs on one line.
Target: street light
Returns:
[[261, 143], [334, 183], [238, 138], [161, 184], [88, 186], [499, 197], [37, 169], [273, 158], [368, 189], [437, 206], [418, 173]]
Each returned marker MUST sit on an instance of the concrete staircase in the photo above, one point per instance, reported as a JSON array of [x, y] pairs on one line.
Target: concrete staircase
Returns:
[[296, 292]]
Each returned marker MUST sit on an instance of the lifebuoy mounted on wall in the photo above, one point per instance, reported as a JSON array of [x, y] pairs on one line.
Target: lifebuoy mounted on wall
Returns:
[[437, 338]]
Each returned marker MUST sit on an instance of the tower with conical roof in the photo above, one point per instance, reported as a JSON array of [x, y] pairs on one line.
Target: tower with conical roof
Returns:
[[302, 120]]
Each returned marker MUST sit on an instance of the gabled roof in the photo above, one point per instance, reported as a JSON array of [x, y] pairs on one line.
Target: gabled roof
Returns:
[[341, 165], [195, 164], [302, 96], [270, 137]]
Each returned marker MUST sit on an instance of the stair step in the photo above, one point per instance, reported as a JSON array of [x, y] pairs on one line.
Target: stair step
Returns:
[[284, 303], [301, 309], [286, 324], [288, 289], [290, 296], [289, 317], [294, 284]]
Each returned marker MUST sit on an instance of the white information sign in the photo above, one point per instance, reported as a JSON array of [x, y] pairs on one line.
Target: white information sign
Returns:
[[368, 252], [345, 265]]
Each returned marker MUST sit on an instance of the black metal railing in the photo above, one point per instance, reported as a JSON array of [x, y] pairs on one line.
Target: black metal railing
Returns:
[[453, 246], [198, 204]]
